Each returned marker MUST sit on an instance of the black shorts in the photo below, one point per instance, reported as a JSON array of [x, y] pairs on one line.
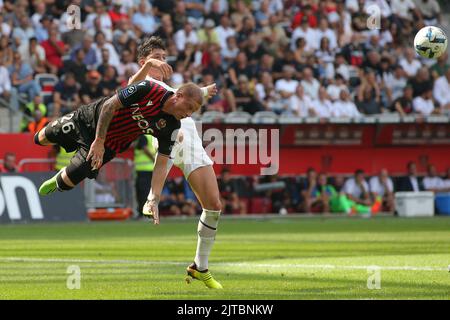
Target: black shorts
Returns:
[[74, 133]]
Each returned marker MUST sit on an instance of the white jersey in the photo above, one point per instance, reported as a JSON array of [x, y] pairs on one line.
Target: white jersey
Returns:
[[188, 153]]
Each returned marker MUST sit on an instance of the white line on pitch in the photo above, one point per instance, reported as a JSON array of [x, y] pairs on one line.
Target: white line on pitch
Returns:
[[227, 264]]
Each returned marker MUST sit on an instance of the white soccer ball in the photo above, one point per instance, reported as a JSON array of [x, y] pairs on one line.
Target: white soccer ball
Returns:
[[430, 42]]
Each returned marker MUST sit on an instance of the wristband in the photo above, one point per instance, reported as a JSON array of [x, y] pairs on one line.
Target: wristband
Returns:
[[205, 92]]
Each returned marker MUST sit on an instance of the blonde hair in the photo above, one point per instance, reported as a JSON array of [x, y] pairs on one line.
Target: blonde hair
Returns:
[[192, 91]]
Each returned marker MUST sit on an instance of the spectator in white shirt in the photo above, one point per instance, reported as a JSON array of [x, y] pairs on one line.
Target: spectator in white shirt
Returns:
[[185, 35], [24, 30], [5, 81], [431, 11], [100, 13], [325, 31], [265, 90], [223, 5], [100, 43], [409, 63], [300, 104], [403, 8], [342, 67], [325, 56], [433, 182], [382, 5], [323, 104], [127, 64], [275, 6], [395, 82], [424, 104], [345, 107], [224, 30], [5, 28], [143, 19], [382, 186], [286, 86], [310, 84], [7, 91], [334, 89], [33, 54], [230, 52], [357, 189], [307, 33], [441, 90]]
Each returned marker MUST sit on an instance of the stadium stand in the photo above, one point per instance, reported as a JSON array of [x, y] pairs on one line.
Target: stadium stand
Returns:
[[288, 52]]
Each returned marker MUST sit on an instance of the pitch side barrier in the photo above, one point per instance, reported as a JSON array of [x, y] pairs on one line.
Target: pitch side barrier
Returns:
[[20, 202]]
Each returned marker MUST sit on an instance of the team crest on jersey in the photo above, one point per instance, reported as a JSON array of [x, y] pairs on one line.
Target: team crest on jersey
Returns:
[[128, 91], [161, 124]]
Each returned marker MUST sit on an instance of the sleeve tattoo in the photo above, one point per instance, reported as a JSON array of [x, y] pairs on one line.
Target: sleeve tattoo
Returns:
[[106, 114]]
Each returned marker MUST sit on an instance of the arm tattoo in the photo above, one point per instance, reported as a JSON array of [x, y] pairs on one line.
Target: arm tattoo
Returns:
[[106, 114]]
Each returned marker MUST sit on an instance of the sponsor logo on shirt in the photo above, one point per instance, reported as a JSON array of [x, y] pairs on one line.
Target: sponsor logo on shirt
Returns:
[[127, 92], [142, 123], [161, 124]]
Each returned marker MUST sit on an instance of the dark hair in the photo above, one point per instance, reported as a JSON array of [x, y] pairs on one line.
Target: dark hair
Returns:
[[359, 171], [148, 45], [9, 154], [310, 169], [225, 170], [410, 163]]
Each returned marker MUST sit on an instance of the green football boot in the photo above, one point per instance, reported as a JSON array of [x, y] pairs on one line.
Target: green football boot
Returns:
[[49, 186], [204, 276]]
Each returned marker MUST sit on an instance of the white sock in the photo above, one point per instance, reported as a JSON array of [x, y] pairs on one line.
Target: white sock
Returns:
[[207, 229]]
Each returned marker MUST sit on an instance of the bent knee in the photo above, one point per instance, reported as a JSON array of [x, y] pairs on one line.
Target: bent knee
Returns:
[[214, 204]]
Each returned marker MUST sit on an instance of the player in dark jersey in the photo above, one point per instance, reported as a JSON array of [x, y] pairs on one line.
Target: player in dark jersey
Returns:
[[100, 130]]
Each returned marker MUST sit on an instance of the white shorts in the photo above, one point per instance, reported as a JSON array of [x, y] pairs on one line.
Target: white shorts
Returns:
[[188, 153]]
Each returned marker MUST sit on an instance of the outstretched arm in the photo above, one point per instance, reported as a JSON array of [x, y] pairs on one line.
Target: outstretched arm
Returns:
[[158, 178], [208, 91], [163, 67], [98, 146]]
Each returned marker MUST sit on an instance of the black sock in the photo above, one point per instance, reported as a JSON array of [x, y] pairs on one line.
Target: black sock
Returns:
[[62, 186]]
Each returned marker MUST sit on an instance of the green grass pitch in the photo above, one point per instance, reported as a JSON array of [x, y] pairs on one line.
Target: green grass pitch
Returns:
[[292, 258]]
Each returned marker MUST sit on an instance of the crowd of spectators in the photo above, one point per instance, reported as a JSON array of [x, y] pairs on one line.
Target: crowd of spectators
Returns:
[[294, 57]]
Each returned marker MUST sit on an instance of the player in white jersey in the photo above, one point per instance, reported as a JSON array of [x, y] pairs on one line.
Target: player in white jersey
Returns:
[[189, 155]]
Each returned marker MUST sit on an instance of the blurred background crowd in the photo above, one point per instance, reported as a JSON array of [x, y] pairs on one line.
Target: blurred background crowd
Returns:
[[306, 58]]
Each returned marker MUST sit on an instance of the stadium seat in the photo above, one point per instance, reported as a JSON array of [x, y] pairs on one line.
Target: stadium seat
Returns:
[[47, 81], [241, 117], [438, 118], [266, 117], [388, 118], [212, 116], [289, 119], [367, 119], [312, 120], [408, 119], [340, 120]]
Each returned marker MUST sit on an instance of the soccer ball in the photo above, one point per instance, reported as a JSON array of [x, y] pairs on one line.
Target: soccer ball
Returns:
[[430, 42]]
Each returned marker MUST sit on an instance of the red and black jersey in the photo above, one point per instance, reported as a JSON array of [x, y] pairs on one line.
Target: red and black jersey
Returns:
[[141, 114]]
